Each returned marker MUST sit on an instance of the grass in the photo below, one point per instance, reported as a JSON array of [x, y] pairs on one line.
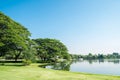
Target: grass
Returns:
[[33, 72]]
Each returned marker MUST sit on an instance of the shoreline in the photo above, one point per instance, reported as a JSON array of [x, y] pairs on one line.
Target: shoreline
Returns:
[[34, 72]]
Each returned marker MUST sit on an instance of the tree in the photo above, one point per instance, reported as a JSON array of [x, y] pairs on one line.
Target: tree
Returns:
[[30, 53], [115, 55], [90, 56], [13, 37], [50, 49], [100, 56]]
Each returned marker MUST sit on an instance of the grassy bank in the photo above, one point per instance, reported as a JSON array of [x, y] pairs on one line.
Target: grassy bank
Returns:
[[33, 72]]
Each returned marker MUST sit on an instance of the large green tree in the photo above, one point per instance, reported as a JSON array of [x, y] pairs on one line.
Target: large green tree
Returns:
[[49, 49], [14, 37]]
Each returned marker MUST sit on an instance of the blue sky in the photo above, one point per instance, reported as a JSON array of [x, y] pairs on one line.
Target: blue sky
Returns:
[[84, 26]]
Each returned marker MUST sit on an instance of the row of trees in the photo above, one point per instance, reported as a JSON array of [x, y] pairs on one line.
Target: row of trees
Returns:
[[96, 56], [51, 49], [16, 44]]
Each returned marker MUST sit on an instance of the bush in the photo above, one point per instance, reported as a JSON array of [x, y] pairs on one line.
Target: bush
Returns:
[[26, 62]]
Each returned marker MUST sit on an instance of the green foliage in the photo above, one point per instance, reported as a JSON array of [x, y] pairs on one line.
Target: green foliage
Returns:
[[50, 49], [15, 43], [13, 37], [26, 62], [96, 56], [66, 56], [30, 53]]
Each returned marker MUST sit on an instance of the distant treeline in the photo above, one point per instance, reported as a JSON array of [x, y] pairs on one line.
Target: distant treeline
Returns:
[[96, 56]]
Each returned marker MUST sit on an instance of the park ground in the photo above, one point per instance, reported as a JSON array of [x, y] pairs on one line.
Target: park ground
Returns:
[[33, 72]]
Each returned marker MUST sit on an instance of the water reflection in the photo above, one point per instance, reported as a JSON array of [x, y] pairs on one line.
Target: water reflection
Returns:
[[102, 66], [66, 65], [114, 61], [59, 66]]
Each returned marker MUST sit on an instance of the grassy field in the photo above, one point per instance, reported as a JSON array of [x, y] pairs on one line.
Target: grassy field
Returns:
[[33, 72]]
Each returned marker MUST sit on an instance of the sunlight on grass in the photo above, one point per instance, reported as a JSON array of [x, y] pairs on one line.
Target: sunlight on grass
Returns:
[[33, 72]]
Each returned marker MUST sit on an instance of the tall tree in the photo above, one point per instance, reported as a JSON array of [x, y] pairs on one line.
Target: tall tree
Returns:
[[13, 37], [50, 49]]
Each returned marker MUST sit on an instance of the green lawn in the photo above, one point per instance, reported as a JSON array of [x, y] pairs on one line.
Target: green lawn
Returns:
[[36, 73]]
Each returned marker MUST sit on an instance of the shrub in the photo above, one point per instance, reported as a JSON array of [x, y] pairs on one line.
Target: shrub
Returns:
[[26, 62]]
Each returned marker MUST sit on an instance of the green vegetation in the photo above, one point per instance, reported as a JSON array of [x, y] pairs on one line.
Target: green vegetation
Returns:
[[51, 50], [16, 44], [13, 37], [33, 72], [95, 56]]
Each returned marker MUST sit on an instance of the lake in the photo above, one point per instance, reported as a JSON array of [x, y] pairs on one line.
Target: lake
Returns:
[[106, 66]]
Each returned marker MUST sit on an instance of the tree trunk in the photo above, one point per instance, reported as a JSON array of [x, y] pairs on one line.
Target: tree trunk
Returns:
[[17, 56]]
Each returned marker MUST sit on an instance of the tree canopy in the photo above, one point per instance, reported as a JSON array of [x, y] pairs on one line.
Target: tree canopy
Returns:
[[13, 36], [15, 43], [51, 49]]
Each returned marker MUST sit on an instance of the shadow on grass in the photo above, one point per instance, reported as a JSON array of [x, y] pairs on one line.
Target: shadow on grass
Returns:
[[11, 63]]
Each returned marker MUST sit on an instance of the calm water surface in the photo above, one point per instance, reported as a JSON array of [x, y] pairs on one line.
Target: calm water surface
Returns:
[[109, 67]]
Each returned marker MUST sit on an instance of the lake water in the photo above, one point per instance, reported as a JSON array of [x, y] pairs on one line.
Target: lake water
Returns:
[[109, 67]]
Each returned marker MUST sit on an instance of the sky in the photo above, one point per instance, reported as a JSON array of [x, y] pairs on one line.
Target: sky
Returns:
[[84, 26]]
